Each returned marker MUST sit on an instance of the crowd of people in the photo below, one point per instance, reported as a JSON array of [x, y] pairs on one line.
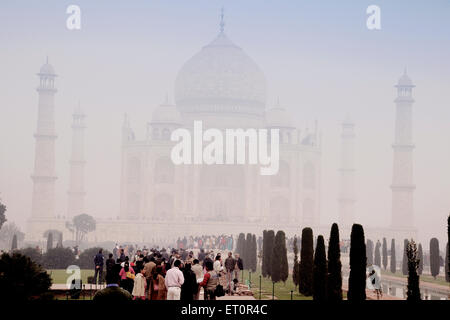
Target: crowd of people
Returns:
[[152, 274], [222, 242]]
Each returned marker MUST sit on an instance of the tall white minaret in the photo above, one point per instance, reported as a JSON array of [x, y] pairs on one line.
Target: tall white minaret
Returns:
[[76, 193], [402, 180], [44, 176], [347, 175]]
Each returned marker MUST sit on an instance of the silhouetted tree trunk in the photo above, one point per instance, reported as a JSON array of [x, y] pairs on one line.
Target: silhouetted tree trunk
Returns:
[[358, 262], [393, 258], [280, 268], [296, 268], [306, 263], [385, 254], [434, 257], [334, 283], [320, 271], [420, 258], [413, 292]]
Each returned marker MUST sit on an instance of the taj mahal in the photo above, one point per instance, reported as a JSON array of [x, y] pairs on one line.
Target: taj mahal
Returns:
[[224, 88]]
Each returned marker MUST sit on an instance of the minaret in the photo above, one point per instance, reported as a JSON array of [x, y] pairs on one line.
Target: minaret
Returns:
[[402, 180], [347, 175], [76, 193], [44, 177]]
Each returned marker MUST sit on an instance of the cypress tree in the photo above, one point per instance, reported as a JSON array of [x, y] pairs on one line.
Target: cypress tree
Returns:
[[306, 263], [377, 259], [393, 259], [248, 251], [320, 271], [240, 246], [14, 242], [413, 292], [358, 262], [385, 254], [268, 256], [50, 241], [447, 273], [295, 270], [434, 257], [264, 254], [60, 240], [447, 261], [420, 258], [254, 259], [280, 267], [334, 283], [369, 252], [405, 258]]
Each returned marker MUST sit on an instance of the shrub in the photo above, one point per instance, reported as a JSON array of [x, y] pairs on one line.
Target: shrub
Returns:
[[58, 258], [21, 278]]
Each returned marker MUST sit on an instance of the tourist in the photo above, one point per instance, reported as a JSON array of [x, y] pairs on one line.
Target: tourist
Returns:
[[210, 282], [238, 267], [218, 264], [112, 292], [198, 270], [98, 262], [121, 255], [157, 289], [189, 288], [140, 284], [110, 263], [229, 267], [149, 268], [174, 280], [201, 255], [127, 276]]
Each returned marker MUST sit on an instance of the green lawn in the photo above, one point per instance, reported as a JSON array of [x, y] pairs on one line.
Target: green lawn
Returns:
[[425, 278], [59, 276], [282, 290]]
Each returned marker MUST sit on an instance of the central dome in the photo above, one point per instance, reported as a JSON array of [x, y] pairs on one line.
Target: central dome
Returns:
[[221, 77]]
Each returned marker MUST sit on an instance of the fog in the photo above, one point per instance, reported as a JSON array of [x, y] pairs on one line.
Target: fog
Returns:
[[319, 60]]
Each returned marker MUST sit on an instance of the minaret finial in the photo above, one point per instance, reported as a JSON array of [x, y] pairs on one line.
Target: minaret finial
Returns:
[[222, 22]]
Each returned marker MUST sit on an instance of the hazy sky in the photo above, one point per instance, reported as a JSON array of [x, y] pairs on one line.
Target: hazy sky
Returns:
[[318, 57]]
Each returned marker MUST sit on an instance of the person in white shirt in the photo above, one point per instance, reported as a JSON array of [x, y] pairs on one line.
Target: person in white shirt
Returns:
[[174, 280], [218, 264]]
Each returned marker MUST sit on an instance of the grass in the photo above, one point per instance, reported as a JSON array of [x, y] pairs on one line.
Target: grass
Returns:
[[282, 290], [423, 278], [59, 276]]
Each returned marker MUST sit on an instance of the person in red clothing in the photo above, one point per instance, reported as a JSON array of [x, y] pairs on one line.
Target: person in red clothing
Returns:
[[210, 281]]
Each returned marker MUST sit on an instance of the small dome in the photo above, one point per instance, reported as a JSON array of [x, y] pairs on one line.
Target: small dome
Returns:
[[47, 69], [405, 80], [166, 113], [278, 117]]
